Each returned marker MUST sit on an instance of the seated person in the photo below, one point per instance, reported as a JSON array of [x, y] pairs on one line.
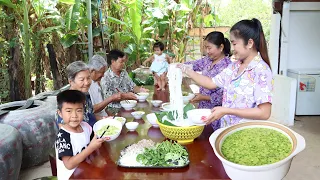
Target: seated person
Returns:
[[116, 79], [98, 66], [75, 140], [79, 79]]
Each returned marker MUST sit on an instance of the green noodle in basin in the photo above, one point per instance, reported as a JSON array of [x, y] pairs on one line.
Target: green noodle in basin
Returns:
[[256, 146]]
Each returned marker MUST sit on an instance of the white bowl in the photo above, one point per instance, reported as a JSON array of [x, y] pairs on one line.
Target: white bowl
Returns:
[[152, 118], [142, 96], [196, 115], [121, 119], [186, 99], [156, 103], [128, 106], [274, 171], [137, 114], [103, 122], [167, 106], [131, 126]]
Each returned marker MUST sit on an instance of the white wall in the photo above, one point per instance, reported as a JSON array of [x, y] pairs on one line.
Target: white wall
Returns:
[[304, 40], [300, 36], [274, 42]]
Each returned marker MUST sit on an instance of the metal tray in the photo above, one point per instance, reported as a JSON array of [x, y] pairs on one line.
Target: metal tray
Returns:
[[154, 167]]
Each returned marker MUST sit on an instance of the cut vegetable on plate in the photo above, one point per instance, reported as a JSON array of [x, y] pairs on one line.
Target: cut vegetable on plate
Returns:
[[167, 154]]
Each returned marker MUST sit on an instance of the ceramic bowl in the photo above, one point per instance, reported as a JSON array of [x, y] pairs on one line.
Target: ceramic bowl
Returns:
[[196, 115], [142, 96], [137, 114], [274, 171], [156, 103], [132, 126], [128, 104], [103, 122], [152, 118]]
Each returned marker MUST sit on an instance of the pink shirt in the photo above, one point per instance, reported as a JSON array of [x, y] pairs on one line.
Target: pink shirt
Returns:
[[247, 90]]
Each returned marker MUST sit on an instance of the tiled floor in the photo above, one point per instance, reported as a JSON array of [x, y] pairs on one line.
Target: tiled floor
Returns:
[[305, 166]]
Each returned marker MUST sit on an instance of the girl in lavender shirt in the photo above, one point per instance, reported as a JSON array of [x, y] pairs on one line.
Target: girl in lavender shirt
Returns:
[[247, 83], [217, 59]]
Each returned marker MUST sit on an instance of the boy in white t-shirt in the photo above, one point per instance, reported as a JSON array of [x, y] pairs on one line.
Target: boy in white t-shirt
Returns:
[[75, 139]]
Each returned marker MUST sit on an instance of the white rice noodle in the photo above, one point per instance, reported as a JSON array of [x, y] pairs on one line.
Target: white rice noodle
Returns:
[[129, 155], [176, 100]]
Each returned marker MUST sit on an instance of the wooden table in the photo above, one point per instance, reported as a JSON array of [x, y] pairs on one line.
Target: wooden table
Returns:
[[102, 164]]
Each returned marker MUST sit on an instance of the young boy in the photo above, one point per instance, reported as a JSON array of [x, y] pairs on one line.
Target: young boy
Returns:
[[75, 141]]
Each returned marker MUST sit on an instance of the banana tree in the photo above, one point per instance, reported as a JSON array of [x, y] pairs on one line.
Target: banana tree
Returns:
[[22, 7]]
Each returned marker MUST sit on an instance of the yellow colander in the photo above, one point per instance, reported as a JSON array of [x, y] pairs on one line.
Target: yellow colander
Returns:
[[182, 135]]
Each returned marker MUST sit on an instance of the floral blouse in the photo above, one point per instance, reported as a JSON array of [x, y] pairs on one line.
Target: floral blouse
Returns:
[[247, 90], [204, 65]]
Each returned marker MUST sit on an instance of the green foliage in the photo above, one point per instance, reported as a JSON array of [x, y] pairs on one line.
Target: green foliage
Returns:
[[236, 10], [170, 115], [49, 84], [4, 76]]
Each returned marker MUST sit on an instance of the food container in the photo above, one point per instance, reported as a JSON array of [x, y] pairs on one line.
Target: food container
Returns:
[[128, 104], [99, 124], [274, 171], [187, 98], [132, 126], [152, 118], [142, 96], [196, 115], [137, 114], [183, 135], [156, 103]]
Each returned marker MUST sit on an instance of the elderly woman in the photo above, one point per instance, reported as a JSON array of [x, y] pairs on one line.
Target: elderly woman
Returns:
[[79, 79], [98, 66]]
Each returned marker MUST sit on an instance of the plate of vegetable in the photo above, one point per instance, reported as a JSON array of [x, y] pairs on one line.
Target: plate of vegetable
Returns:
[[148, 154]]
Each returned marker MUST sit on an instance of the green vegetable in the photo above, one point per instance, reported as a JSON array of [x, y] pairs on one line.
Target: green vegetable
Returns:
[[169, 114], [256, 146], [112, 130], [160, 118], [119, 119], [132, 75], [164, 154], [185, 93], [150, 80]]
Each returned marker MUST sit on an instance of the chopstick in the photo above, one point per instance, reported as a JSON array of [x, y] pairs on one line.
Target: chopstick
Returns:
[[104, 132], [125, 99], [115, 115]]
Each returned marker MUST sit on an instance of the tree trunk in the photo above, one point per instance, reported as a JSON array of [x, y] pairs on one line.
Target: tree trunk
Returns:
[[39, 84], [72, 54], [61, 59], [15, 62], [57, 80]]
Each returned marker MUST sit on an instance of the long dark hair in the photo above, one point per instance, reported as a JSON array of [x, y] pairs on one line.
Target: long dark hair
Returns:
[[217, 38], [252, 29]]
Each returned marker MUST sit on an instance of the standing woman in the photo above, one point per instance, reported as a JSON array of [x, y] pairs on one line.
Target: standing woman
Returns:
[[79, 79], [247, 83], [217, 59]]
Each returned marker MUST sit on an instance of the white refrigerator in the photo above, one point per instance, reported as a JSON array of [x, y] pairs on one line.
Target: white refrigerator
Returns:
[[308, 90]]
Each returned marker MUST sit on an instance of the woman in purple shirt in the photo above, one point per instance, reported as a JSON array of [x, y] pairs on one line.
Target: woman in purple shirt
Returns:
[[217, 59], [247, 83]]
